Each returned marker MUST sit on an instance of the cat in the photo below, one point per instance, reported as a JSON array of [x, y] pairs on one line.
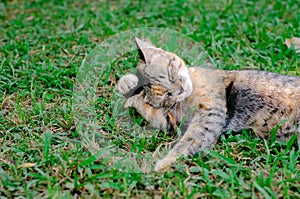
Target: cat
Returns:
[[213, 101]]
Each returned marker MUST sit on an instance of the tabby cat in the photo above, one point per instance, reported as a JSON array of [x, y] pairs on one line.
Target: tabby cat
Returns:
[[212, 101]]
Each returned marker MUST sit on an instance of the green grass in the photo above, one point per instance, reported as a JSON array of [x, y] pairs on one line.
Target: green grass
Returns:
[[42, 45]]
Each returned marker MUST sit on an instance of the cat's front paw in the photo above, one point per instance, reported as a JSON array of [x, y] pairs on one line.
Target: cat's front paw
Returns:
[[164, 163], [126, 83]]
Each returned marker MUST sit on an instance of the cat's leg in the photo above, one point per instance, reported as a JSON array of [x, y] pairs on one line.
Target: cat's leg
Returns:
[[156, 116], [287, 130], [203, 132], [289, 127], [127, 83]]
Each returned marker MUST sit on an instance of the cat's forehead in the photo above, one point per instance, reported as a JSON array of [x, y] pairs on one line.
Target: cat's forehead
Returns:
[[159, 57], [159, 64], [156, 69]]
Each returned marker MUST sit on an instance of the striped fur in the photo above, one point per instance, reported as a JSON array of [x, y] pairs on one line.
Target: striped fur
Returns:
[[216, 101]]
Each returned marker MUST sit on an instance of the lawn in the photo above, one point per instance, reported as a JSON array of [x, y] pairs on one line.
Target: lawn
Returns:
[[42, 46]]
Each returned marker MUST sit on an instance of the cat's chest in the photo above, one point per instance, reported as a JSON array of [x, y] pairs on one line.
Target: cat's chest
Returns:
[[187, 109]]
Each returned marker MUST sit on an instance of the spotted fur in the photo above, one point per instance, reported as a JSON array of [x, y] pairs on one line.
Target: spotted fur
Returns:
[[215, 101]]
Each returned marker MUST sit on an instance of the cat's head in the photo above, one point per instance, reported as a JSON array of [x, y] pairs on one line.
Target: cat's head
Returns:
[[166, 78]]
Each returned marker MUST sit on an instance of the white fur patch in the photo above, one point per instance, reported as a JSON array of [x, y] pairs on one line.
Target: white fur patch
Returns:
[[127, 82], [188, 87]]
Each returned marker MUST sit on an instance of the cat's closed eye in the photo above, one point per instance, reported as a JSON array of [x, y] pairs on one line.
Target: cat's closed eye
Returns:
[[180, 79]]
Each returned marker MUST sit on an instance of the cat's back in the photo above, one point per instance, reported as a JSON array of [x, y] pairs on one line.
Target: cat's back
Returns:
[[266, 84], [271, 86]]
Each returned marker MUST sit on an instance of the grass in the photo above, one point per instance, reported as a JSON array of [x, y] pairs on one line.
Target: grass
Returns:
[[42, 45]]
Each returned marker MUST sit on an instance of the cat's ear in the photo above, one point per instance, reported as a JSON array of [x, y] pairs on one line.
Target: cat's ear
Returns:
[[146, 50], [143, 45]]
